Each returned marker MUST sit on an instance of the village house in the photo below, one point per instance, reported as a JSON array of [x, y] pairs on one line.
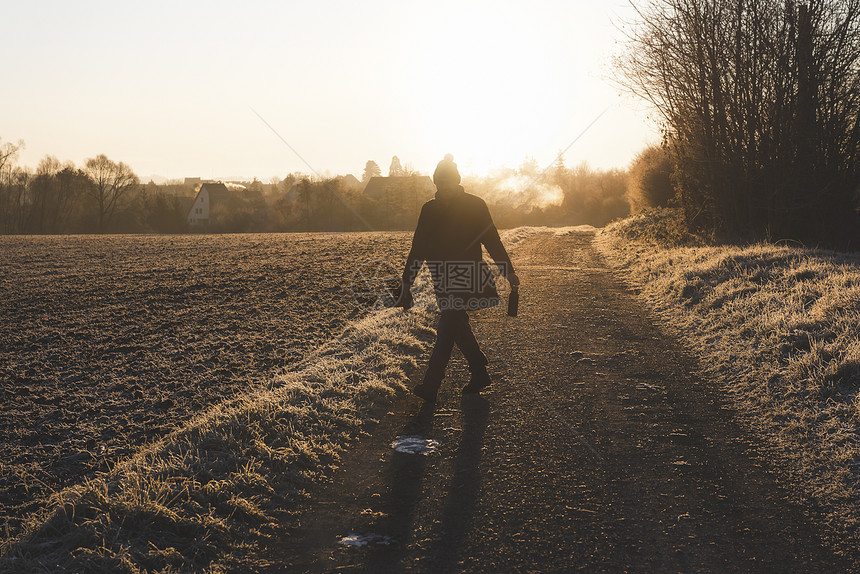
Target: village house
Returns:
[[214, 195], [348, 182]]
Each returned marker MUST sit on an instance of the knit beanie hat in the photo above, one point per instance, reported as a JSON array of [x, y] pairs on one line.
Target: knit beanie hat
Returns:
[[446, 171]]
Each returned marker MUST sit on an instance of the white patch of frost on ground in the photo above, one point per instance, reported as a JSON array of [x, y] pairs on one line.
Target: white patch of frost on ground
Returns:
[[574, 229], [415, 445], [513, 237], [353, 539]]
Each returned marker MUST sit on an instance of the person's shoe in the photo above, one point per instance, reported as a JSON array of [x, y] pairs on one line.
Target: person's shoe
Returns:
[[426, 392], [478, 381]]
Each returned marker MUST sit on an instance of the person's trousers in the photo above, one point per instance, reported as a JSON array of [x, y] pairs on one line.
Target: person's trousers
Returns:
[[453, 328]]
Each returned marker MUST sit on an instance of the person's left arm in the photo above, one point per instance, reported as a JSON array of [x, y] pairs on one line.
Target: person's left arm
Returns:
[[496, 249]]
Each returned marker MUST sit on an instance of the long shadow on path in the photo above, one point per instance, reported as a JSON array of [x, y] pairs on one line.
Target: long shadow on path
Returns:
[[404, 475], [435, 515], [464, 490]]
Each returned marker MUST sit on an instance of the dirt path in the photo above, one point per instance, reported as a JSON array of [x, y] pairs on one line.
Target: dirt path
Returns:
[[596, 449]]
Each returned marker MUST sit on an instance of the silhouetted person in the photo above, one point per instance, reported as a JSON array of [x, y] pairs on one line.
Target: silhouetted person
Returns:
[[451, 229]]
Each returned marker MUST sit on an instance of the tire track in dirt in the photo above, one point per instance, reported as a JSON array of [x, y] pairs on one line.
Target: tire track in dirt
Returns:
[[675, 485]]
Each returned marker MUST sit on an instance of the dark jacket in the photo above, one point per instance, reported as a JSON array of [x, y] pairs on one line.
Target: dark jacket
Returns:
[[451, 229]]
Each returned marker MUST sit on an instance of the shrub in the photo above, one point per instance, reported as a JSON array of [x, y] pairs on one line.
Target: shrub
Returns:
[[650, 180]]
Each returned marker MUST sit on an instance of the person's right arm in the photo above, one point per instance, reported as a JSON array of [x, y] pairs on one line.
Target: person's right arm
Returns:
[[415, 259]]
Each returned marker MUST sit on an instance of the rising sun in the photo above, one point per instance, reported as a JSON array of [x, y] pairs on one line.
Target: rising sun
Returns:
[[486, 91]]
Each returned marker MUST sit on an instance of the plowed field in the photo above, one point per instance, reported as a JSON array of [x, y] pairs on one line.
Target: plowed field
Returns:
[[109, 342]]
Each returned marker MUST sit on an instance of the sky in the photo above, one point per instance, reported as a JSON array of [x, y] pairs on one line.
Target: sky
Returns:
[[237, 90]]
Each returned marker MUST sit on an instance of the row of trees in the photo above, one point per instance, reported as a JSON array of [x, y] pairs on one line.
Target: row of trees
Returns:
[[59, 197], [526, 195], [327, 205], [532, 195], [760, 101], [106, 196]]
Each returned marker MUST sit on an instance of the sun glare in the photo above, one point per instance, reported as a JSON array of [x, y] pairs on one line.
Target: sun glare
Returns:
[[488, 95]]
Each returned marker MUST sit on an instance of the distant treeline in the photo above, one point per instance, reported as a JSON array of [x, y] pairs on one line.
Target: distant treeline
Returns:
[[101, 196], [531, 195], [105, 196], [760, 112]]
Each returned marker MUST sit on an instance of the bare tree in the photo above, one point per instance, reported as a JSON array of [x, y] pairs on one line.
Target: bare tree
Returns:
[[8, 153], [408, 170], [72, 186], [9, 203], [110, 182], [55, 192], [12, 189], [759, 101], [43, 195], [14, 204]]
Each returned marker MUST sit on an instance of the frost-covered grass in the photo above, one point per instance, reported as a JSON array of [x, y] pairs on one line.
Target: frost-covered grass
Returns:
[[779, 326], [207, 496]]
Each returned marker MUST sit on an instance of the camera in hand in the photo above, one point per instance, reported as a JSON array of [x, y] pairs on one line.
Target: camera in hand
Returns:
[[514, 301]]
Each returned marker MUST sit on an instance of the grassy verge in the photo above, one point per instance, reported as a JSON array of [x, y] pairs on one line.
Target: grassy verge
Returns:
[[778, 326], [206, 496]]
